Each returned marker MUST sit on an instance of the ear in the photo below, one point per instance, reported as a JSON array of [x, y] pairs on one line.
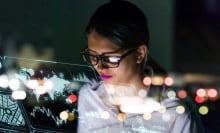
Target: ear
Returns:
[[141, 53]]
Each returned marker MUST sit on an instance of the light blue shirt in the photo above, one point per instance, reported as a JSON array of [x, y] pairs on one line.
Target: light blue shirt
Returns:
[[92, 104]]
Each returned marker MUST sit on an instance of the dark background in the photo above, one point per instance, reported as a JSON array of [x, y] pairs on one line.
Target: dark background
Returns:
[[197, 36], [196, 47]]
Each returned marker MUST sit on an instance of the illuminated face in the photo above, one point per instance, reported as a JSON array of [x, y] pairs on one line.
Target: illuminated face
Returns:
[[128, 70]]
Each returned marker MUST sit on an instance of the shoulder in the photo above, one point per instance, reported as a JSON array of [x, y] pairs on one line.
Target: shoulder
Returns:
[[89, 90], [91, 86]]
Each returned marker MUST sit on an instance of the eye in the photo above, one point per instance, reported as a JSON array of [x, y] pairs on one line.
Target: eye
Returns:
[[93, 58]]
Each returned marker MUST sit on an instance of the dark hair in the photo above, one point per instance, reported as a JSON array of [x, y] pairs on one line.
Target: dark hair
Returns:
[[121, 22], [125, 25]]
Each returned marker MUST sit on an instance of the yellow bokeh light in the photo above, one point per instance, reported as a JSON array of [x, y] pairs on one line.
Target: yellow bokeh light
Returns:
[[64, 115], [162, 109], [121, 116], [180, 109], [147, 116], [71, 116], [203, 110], [157, 80]]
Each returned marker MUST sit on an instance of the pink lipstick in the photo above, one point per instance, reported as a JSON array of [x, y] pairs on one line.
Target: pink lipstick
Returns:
[[105, 76]]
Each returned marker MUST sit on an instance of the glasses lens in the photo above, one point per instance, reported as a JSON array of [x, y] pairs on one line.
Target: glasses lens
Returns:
[[111, 61]]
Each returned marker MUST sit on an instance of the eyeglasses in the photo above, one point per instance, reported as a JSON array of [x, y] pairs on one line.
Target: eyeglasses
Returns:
[[108, 61]]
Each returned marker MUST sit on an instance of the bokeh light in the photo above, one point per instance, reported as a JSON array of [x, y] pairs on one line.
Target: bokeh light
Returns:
[[64, 115], [212, 94], [171, 94], [72, 98], [32, 84], [147, 116], [19, 95], [168, 81], [203, 110], [121, 116], [199, 99], [182, 94], [105, 115], [162, 109], [71, 117], [142, 93], [157, 80], [180, 109], [4, 81], [147, 81], [41, 90], [166, 117], [48, 84], [201, 92], [14, 84]]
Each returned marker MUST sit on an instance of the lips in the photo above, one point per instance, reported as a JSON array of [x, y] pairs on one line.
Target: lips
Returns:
[[105, 76]]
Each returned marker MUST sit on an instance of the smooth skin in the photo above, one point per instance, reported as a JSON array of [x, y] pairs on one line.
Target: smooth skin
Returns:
[[129, 70]]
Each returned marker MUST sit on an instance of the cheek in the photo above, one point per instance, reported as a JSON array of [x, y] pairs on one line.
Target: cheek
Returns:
[[129, 63], [127, 67]]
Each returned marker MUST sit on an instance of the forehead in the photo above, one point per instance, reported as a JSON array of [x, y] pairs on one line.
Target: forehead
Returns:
[[100, 44]]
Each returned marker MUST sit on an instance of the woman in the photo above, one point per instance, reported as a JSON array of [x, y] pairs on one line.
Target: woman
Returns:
[[118, 39]]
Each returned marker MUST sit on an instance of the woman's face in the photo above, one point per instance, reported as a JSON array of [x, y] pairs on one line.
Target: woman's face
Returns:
[[128, 70]]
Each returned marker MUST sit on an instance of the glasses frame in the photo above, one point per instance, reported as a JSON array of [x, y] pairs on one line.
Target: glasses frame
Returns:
[[102, 57]]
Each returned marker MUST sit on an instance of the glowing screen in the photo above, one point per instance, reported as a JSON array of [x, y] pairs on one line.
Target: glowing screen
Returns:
[[41, 95]]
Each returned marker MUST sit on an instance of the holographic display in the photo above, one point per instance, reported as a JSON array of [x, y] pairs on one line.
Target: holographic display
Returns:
[[41, 96]]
